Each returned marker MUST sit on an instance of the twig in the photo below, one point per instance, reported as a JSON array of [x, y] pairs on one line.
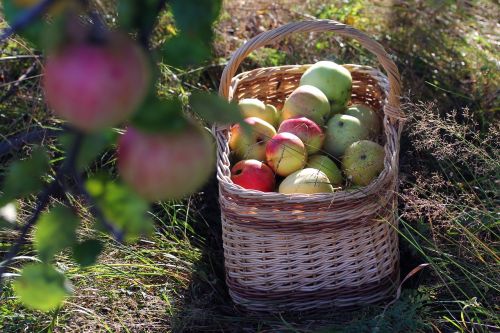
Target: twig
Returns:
[[26, 18], [15, 84], [43, 200], [20, 57]]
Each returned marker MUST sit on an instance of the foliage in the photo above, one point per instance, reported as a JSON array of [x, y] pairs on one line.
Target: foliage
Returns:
[[120, 211], [175, 280], [25, 177], [42, 287], [405, 315]]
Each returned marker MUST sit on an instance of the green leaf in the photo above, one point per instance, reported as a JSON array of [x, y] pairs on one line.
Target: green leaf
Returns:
[[159, 116], [136, 14], [93, 145], [55, 231], [32, 32], [196, 17], [192, 45], [121, 206], [8, 216], [39, 32], [214, 109], [186, 50], [41, 287], [86, 252], [25, 177]]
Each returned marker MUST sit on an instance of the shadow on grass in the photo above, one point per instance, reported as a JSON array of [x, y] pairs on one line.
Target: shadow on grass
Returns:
[[433, 54], [207, 307]]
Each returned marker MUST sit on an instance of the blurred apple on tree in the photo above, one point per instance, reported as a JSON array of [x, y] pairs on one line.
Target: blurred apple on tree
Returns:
[[165, 166], [94, 85]]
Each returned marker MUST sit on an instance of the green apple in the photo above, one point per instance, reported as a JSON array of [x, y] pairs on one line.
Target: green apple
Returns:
[[286, 153], [363, 161], [328, 167], [367, 117], [334, 80], [307, 101], [251, 145], [306, 181], [271, 109], [252, 107], [342, 131]]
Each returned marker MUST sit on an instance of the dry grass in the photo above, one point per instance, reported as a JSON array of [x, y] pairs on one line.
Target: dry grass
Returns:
[[447, 53]]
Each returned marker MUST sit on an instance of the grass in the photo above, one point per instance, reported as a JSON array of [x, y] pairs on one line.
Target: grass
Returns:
[[174, 281]]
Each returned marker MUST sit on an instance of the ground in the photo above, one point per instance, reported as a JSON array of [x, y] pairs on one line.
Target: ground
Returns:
[[447, 54]]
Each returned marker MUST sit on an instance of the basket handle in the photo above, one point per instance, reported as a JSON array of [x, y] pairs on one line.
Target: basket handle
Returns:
[[391, 109]]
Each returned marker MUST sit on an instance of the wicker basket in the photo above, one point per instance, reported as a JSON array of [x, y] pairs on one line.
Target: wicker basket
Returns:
[[308, 252]]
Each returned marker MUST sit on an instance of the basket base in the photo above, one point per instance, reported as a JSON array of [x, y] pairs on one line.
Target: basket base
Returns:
[[320, 300]]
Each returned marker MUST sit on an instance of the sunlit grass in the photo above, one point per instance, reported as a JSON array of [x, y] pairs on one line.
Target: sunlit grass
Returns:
[[449, 214]]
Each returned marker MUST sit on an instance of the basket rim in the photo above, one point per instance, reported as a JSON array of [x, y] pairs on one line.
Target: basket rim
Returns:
[[392, 133]]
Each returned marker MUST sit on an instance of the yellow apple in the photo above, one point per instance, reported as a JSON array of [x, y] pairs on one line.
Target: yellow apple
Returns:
[[325, 164], [307, 101], [252, 107], [306, 181]]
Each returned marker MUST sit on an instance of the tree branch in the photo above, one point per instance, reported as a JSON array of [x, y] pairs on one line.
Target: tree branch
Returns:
[[26, 18], [43, 200]]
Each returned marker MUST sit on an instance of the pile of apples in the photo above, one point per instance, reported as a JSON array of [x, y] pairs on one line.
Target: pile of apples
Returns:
[[317, 143]]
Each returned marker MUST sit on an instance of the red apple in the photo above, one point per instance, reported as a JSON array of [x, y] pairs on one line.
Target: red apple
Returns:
[[286, 153], [307, 130], [253, 175], [96, 85], [165, 166]]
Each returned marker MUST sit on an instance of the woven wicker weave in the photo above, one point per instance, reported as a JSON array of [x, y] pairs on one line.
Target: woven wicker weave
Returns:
[[306, 252]]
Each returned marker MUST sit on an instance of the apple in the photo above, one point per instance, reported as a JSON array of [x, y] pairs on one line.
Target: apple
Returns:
[[342, 131], [252, 107], [367, 117], [307, 130], [306, 101], [271, 109], [251, 145], [328, 167], [334, 80], [286, 153], [96, 85], [165, 166], [253, 175], [363, 161], [306, 181]]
